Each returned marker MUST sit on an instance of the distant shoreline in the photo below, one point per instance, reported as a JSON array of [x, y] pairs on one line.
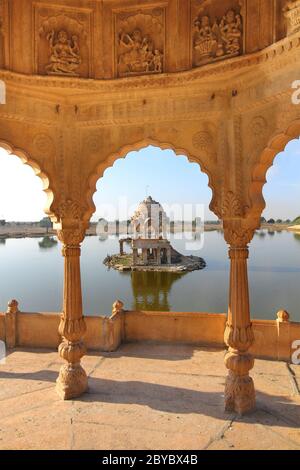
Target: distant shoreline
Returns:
[[28, 231]]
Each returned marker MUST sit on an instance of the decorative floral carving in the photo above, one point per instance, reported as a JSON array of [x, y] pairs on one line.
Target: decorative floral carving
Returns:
[[69, 209], [140, 43], [232, 206], [202, 140], [64, 53], [258, 126], [237, 237], [292, 15], [217, 39], [239, 338], [44, 145], [92, 143]]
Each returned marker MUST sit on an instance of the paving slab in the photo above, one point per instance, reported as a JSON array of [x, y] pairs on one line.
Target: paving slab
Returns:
[[144, 396]]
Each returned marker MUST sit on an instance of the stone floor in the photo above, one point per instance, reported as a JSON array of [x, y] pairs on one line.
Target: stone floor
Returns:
[[145, 397]]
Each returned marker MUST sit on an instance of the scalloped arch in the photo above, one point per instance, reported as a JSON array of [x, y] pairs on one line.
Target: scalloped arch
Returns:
[[25, 158], [276, 145], [123, 152]]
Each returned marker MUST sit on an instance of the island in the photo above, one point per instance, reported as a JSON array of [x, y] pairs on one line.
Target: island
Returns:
[[150, 248]]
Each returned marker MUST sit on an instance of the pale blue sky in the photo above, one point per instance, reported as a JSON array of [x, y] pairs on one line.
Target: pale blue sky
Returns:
[[168, 178]]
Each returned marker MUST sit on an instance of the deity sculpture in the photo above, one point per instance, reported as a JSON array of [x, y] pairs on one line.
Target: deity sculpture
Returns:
[[231, 32], [205, 39], [222, 38], [139, 55], [292, 14], [64, 54]]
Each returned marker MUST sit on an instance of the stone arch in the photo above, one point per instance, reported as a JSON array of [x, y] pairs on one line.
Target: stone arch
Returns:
[[123, 152], [27, 160], [276, 145]]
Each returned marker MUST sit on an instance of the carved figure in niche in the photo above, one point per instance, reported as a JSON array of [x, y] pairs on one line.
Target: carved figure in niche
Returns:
[[64, 53], [140, 55], [231, 32], [206, 38], [292, 14], [157, 61], [220, 38]]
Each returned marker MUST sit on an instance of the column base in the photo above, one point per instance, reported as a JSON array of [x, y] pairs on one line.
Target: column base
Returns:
[[239, 394], [72, 381]]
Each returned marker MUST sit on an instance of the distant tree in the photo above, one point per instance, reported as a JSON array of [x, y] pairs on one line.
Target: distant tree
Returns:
[[2, 222], [262, 220], [297, 221], [46, 223], [279, 221], [271, 221], [288, 221]]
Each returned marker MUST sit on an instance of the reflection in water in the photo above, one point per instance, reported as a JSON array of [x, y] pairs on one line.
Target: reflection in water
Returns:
[[260, 233], [297, 236], [271, 232], [47, 242], [2, 241], [151, 289], [103, 237]]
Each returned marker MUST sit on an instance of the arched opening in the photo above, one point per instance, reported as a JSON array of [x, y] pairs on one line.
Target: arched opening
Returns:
[[31, 265], [275, 250], [175, 184]]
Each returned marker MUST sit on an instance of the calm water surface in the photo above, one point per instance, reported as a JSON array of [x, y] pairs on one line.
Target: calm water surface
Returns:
[[34, 276]]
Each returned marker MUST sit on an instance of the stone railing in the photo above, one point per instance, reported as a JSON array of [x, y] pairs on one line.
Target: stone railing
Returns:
[[273, 338]]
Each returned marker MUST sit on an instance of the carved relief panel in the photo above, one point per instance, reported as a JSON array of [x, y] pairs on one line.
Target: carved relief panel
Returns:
[[291, 12], [217, 30], [139, 42], [4, 33], [63, 41]]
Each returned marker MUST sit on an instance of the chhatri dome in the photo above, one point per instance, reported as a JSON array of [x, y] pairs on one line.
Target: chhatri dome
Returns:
[[150, 219]]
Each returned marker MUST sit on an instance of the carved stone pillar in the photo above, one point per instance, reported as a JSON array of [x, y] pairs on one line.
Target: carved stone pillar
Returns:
[[169, 256], [134, 256], [239, 387], [72, 380], [145, 256]]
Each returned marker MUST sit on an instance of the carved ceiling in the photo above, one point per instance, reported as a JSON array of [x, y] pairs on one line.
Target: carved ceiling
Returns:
[[105, 39]]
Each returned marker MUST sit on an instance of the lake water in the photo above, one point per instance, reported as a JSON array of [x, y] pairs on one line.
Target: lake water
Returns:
[[34, 276]]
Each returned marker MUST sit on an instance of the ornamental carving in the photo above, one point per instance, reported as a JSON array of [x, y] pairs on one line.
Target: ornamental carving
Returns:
[[64, 53], [259, 126], [292, 15], [70, 209], [232, 206], [63, 41], [202, 140], [237, 237], [205, 142], [44, 145], [140, 43], [215, 38]]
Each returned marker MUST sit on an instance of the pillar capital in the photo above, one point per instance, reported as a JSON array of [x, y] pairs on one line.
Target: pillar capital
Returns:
[[70, 235], [238, 233]]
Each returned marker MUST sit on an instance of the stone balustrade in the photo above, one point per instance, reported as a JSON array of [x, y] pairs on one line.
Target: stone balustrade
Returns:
[[273, 338]]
